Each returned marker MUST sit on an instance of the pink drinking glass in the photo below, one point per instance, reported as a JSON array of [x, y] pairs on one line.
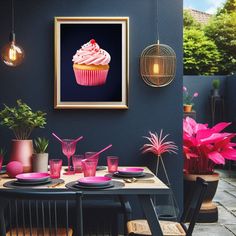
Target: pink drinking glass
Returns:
[[89, 154], [68, 149], [77, 163], [89, 167], [55, 168], [112, 163]]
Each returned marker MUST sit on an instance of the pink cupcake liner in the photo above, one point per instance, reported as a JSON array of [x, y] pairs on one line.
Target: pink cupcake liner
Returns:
[[90, 77]]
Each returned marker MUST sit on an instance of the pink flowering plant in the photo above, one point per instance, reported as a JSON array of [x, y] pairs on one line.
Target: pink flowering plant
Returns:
[[206, 147], [188, 98], [159, 146]]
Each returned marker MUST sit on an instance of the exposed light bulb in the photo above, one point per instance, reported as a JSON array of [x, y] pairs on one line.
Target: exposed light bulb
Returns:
[[12, 54], [156, 68]]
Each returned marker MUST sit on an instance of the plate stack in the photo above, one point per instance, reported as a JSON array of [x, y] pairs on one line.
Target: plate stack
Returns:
[[95, 182], [32, 179], [129, 172]]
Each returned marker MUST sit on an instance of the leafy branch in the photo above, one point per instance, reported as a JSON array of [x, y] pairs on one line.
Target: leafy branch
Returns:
[[22, 120]]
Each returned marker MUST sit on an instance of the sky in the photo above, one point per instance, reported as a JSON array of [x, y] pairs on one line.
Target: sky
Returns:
[[209, 6]]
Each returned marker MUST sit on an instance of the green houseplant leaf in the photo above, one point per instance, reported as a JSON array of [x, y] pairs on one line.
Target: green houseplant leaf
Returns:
[[40, 145], [22, 120]]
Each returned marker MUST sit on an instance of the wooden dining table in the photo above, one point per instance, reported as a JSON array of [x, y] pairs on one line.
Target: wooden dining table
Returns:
[[144, 190]]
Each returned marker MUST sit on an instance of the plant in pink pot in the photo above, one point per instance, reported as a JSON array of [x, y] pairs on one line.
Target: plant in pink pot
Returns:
[[22, 121], [204, 148]]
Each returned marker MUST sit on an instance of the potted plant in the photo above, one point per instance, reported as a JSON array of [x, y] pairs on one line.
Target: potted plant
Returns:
[[22, 121], [215, 88], [188, 100], [40, 157], [167, 208], [204, 148]]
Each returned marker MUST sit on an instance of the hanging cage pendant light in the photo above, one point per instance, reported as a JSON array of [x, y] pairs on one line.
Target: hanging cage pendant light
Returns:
[[12, 54], [158, 63]]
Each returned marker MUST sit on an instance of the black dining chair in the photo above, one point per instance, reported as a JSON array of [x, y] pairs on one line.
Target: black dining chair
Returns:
[[141, 227], [45, 213]]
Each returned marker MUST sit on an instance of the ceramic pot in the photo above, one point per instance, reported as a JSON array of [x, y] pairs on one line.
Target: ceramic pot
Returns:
[[40, 162], [188, 108], [208, 212], [22, 150]]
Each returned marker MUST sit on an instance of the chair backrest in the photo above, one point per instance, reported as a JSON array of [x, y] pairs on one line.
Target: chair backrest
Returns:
[[41, 210], [194, 206]]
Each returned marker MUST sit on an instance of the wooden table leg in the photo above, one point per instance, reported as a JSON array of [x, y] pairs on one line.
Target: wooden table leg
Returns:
[[150, 214]]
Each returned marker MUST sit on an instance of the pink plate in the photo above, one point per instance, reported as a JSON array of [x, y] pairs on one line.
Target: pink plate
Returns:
[[130, 170], [33, 177], [95, 181]]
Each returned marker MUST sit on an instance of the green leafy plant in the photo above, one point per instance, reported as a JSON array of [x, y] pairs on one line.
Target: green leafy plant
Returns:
[[40, 145], [201, 56], [222, 31], [22, 120], [215, 83]]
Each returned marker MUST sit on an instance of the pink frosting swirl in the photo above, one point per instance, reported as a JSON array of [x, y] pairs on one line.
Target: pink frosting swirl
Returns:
[[91, 54]]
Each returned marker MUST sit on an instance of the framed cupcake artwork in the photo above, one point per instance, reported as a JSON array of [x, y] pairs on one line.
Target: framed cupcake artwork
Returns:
[[91, 62]]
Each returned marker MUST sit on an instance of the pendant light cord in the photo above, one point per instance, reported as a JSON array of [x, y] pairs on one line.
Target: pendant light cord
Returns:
[[12, 16], [157, 35]]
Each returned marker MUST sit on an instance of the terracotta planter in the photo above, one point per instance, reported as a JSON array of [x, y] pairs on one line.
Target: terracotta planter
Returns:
[[22, 150], [208, 212], [188, 108], [40, 162]]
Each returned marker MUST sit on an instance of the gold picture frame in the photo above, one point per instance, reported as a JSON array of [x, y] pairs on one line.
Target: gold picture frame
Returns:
[[112, 36]]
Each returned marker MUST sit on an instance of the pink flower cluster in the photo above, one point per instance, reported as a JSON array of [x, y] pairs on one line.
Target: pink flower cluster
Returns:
[[187, 98], [206, 147], [158, 145]]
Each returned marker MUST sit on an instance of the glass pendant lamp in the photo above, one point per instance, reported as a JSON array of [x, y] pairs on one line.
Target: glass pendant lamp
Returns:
[[12, 54]]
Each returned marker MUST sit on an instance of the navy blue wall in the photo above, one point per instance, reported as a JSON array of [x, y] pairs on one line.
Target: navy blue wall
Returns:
[[150, 109], [231, 99], [203, 85]]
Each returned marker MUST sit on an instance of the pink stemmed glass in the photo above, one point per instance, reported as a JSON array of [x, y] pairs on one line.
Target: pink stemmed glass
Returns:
[[68, 149]]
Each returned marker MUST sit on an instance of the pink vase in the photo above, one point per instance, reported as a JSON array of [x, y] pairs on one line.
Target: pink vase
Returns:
[[22, 151]]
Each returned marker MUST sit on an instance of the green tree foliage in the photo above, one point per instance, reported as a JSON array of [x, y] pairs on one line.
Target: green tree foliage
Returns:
[[229, 7], [218, 38], [201, 56], [189, 21], [222, 30]]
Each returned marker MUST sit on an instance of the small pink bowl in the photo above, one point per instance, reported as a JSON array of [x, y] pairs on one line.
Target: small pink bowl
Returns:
[[32, 177], [94, 181], [130, 170]]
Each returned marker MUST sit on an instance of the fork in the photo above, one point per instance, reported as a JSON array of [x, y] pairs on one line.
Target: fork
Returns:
[[55, 185], [133, 180]]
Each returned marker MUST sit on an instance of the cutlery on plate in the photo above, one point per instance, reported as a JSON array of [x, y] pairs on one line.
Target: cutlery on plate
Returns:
[[55, 185], [134, 180]]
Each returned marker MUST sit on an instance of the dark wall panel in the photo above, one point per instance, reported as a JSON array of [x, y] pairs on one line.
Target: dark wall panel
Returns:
[[150, 109]]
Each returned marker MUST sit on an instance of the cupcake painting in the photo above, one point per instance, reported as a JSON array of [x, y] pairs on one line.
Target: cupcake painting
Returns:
[[91, 64]]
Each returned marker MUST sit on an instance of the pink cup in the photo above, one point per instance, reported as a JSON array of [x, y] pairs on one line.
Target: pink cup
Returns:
[[90, 154], [1, 160], [112, 163], [55, 168], [77, 163], [89, 167]]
